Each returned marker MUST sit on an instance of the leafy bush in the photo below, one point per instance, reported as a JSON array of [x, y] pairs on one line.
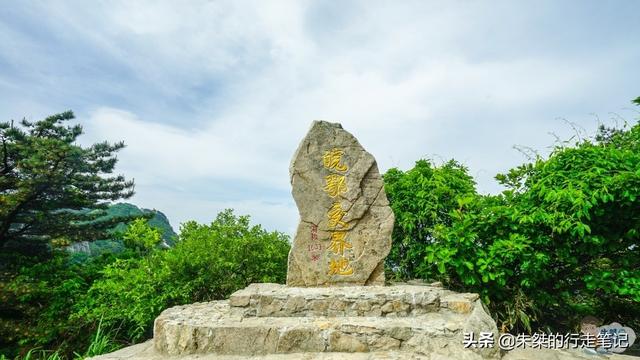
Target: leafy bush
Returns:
[[560, 243], [59, 303], [141, 237], [422, 198], [208, 263], [37, 303]]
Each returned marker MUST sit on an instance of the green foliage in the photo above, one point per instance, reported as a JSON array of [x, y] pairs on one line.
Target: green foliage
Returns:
[[422, 198], [115, 244], [209, 262], [58, 303], [101, 343], [560, 243], [156, 219], [141, 237], [47, 182], [41, 355], [38, 301]]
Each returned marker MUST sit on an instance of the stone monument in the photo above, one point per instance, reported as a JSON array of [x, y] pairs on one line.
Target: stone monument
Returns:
[[345, 225], [335, 304]]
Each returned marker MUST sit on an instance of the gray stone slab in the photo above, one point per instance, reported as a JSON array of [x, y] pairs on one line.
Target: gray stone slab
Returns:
[[274, 300], [267, 319]]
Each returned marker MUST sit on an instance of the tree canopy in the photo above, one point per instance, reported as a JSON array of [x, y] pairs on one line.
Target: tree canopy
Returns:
[[51, 187]]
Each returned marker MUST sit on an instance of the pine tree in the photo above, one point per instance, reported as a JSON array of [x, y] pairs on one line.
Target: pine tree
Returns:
[[52, 188]]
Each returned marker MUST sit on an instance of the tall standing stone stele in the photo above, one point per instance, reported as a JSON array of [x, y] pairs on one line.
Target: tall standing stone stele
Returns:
[[345, 225]]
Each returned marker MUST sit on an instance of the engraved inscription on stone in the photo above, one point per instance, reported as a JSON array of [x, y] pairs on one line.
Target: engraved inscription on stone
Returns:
[[345, 225]]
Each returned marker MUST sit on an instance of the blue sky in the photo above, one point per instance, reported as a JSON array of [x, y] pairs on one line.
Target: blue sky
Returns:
[[212, 97]]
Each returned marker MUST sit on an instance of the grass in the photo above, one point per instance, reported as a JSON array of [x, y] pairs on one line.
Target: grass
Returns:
[[100, 344], [37, 354]]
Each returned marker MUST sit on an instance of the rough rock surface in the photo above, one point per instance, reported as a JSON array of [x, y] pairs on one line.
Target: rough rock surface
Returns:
[[276, 322], [271, 319], [403, 300], [345, 225], [145, 351]]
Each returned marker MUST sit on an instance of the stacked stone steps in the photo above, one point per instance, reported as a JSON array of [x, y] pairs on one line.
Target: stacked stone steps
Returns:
[[251, 336], [273, 300], [268, 319]]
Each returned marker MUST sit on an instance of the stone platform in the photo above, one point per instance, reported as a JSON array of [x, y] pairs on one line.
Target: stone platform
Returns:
[[276, 322], [145, 351], [275, 319]]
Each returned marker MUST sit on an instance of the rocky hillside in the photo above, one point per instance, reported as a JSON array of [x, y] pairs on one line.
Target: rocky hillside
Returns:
[[157, 220]]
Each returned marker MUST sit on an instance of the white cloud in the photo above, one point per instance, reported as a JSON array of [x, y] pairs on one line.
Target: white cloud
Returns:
[[164, 154], [222, 92]]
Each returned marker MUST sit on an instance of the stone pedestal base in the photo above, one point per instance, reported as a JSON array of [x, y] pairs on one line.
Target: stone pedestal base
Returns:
[[275, 322], [275, 319]]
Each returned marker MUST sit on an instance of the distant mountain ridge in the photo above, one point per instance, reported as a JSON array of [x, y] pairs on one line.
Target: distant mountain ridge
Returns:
[[159, 221]]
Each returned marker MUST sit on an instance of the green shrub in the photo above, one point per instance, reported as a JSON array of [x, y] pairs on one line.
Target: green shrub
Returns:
[[422, 198], [37, 303], [141, 237], [208, 263], [562, 242]]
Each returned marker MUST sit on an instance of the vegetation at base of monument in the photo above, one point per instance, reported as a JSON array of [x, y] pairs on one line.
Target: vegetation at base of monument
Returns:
[[100, 343], [124, 292], [66, 301], [53, 192], [422, 198], [561, 242], [209, 262], [57, 296], [39, 300]]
